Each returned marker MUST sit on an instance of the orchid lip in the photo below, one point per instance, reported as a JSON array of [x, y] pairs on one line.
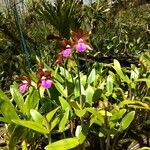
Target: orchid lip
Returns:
[[23, 87], [46, 84]]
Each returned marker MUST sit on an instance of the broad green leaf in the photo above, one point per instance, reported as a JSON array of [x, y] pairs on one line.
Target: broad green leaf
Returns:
[[63, 144], [134, 73], [92, 76], [17, 97], [31, 101], [5, 120], [117, 67], [6, 108], [92, 110], [77, 89], [66, 74], [64, 120], [74, 104], [83, 79], [96, 120], [36, 116], [50, 115], [117, 114], [80, 113], [32, 125], [89, 94], [109, 85], [60, 88], [96, 117], [64, 103], [103, 113], [24, 145], [54, 123], [126, 121]]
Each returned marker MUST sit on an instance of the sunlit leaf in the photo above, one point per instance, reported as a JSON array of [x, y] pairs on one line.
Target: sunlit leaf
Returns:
[[63, 144], [126, 121], [32, 125], [64, 120]]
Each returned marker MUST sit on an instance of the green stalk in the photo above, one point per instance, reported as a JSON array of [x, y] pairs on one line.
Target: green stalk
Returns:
[[107, 128], [65, 62], [78, 71], [81, 100]]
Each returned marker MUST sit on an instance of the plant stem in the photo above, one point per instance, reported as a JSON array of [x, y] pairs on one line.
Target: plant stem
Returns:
[[65, 62], [78, 71], [49, 138], [115, 141], [130, 92], [107, 128]]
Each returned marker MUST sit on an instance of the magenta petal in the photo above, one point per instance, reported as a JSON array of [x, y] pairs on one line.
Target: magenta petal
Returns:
[[46, 84], [23, 87], [81, 47], [66, 53]]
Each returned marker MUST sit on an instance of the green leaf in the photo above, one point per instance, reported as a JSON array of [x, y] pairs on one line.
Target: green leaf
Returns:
[[60, 88], [92, 76], [117, 114], [74, 104], [80, 113], [36, 116], [76, 89], [64, 103], [54, 123], [117, 67], [64, 120], [50, 115], [17, 97], [6, 108], [31, 101], [64, 144], [126, 121], [92, 110], [89, 95], [24, 145], [5, 120], [109, 85], [32, 125], [105, 113]]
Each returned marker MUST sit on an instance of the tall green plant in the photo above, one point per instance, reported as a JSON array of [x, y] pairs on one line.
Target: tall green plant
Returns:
[[64, 16]]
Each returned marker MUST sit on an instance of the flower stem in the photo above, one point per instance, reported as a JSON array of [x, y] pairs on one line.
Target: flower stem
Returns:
[[66, 84], [78, 71]]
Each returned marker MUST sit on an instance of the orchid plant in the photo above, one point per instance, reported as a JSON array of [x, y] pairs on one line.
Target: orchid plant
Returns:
[[66, 101]]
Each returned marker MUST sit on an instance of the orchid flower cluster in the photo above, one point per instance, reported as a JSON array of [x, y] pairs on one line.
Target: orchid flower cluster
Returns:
[[78, 42], [44, 80]]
